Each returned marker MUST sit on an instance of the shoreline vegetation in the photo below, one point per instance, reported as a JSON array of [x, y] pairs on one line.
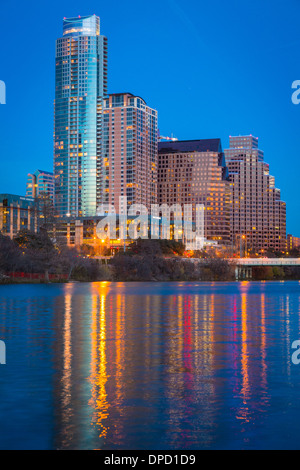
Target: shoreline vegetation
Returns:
[[35, 258]]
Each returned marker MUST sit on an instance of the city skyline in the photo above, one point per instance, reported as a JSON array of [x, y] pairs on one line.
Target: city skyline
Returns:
[[184, 123], [149, 238]]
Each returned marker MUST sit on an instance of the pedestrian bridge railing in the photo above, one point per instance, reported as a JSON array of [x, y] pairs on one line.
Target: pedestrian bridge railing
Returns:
[[265, 261]]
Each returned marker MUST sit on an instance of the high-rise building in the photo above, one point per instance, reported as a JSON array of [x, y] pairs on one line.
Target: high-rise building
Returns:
[[18, 213], [244, 142], [40, 182], [258, 216], [129, 151], [194, 172], [80, 86]]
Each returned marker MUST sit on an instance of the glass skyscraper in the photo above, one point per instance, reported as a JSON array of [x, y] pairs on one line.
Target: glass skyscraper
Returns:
[[80, 86], [40, 182]]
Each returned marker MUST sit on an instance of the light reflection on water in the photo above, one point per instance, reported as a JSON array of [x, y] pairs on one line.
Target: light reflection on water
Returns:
[[150, 366]]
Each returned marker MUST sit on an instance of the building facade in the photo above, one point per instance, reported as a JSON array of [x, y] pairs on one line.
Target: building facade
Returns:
[[17, 213], [129, 151], [292, 243], [40, 182], [258, 216], [243, 142], [80, 85], [194, 172], [84, 231]]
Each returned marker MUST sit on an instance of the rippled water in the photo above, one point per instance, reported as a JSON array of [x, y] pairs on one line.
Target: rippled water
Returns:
[[150, 366]]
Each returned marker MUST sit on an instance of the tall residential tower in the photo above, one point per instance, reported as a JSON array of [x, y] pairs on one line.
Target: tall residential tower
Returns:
[[80, 86], [129, 151]]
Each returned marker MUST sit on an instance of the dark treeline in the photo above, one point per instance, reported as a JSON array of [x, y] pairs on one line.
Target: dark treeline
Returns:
[[32, 252], [143, 260], [159, 260], [270, 273]]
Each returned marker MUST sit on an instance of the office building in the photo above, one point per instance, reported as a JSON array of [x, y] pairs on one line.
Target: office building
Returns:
[[293, 243], [17, 213], [258, 216], [40, 182], [80, 86], [243, 142], [194, 172]]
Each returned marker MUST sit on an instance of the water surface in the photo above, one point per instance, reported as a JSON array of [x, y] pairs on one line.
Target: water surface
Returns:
[[150, 366]]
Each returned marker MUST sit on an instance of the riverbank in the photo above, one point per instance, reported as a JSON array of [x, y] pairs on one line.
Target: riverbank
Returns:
[[33, 258], [138, 269]]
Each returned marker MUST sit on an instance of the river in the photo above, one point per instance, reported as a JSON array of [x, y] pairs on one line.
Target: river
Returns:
[[150, 366]]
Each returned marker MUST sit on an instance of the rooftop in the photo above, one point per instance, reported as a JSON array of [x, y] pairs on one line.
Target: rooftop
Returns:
[[81, 26], [179, 146]]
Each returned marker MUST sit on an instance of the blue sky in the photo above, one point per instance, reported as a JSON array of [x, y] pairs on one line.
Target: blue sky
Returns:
[[211, 69]]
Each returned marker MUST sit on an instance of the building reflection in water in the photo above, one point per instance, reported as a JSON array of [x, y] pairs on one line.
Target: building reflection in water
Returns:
[[99, 403], [156, 369], [251, 396], [67, 368]]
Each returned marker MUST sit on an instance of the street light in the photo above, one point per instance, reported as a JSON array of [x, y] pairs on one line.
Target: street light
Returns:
[[241, 238]]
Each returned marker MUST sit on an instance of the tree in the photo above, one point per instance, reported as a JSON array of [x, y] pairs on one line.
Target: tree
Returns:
[[218, 269], [39, 248], [294, 253], [9, 254]]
